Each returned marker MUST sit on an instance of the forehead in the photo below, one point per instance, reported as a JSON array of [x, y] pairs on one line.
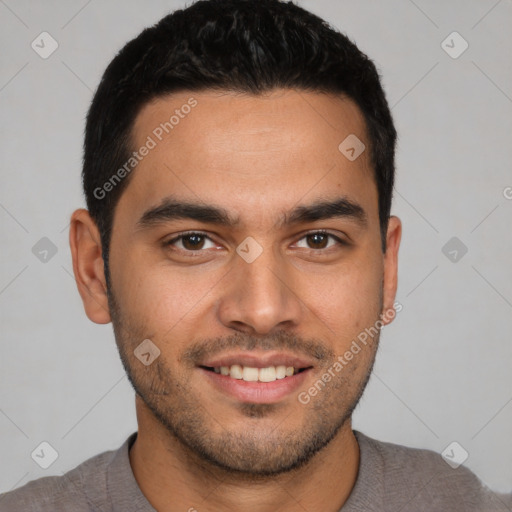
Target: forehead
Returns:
[[236, 149], [296, 115]]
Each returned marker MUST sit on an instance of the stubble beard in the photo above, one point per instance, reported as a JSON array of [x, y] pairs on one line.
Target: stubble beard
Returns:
[[254, 452]]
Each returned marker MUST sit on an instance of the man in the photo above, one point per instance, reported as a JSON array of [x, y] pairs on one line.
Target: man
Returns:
[[238, 172]]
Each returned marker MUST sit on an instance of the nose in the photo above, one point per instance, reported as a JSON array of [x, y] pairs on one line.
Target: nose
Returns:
[[259, 297]]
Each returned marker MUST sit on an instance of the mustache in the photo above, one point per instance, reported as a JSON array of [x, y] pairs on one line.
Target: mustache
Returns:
[[280, 340]]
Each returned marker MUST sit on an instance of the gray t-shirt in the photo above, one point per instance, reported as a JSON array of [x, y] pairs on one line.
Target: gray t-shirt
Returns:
[[391, 478]]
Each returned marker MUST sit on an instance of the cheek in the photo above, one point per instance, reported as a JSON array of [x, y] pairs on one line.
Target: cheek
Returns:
[[346, 300], [171, 302]]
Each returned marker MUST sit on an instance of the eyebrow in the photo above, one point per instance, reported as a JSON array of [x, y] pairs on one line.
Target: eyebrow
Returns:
[[172, 209]]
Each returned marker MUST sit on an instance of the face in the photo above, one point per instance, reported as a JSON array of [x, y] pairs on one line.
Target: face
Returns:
[[247, 248]]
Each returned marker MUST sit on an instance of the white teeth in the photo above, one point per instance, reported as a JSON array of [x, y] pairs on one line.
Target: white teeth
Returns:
[[267, 374], [280, 372], [236, 371], [250, 374]]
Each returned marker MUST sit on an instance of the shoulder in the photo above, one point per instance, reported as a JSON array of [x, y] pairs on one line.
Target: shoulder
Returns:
[[411, 460], [419, 479], [70, 491]]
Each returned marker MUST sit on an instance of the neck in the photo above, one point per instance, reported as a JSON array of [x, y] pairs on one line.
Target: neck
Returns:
[[173, 479]]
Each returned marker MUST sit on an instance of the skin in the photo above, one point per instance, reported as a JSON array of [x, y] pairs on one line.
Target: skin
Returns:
[[258, 157]]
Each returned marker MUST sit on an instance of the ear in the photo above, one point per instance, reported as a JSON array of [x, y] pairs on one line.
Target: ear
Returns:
[[393, 237], [85, 243]]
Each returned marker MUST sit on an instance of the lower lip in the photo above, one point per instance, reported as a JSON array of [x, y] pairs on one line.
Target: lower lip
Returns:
[[257, 392]]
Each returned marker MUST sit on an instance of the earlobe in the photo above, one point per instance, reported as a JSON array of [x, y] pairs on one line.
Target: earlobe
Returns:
[[394, 235], [85, 243]]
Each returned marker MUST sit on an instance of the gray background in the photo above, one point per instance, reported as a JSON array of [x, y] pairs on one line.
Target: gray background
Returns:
[[443, 372]]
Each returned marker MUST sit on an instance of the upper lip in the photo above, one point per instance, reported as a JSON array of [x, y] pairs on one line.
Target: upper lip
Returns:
[[258, 360]]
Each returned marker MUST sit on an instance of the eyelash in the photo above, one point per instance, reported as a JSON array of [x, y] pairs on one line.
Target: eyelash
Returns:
[[205, 235]]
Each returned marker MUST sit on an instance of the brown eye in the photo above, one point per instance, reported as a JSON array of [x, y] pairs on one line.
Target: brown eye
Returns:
[[190, 242], [319, 240]]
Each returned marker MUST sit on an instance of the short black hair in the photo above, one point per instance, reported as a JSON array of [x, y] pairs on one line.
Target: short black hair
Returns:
[[233, 45]]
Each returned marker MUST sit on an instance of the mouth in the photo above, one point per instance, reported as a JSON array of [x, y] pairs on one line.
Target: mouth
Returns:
[[252, 377], [254, 374]]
